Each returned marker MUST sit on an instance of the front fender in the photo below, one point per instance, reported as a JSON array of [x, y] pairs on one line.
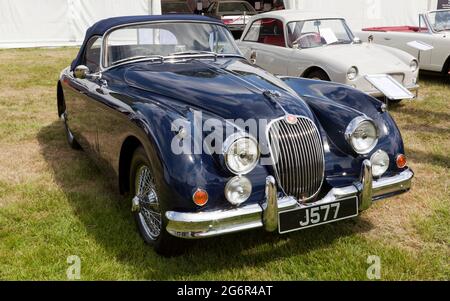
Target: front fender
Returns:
[[335, 105], [403, 55], [335, 93], [181, 174]]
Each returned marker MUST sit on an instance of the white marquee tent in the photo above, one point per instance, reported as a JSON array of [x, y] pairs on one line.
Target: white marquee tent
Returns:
[[30, 23], [368, 13]]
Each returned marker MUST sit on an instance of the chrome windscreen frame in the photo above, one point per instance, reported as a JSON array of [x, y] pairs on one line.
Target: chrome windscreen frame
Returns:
[[104, 48]]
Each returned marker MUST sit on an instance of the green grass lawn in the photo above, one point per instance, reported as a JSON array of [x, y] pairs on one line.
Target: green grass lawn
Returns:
[[55, 203]]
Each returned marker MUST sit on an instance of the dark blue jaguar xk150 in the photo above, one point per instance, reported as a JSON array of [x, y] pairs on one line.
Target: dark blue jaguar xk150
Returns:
[[208, 144]]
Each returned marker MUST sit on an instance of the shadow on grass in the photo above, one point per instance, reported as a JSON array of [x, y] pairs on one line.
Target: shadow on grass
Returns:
[[107, 219], [427, 157], [434, 78], [416, 112]]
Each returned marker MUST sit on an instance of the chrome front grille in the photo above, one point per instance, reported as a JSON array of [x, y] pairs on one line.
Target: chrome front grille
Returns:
[[297, 152]]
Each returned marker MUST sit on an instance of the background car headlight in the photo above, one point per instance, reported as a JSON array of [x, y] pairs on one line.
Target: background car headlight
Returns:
[[238, 190], [352, 73], [241, 154], [380, 163], [414, 65], [362, 135]]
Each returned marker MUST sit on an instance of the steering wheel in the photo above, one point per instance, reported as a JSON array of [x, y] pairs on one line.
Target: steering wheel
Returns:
[[306, 35]]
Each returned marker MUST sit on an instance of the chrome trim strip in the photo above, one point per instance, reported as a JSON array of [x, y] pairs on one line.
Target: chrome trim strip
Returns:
[[213, 223]]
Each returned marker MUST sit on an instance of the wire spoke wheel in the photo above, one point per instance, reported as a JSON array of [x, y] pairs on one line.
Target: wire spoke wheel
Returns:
[[149, 212]]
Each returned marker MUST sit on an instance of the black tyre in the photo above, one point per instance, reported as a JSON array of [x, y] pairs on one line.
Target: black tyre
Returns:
[[69, 136], [147, 210], [319, 75]]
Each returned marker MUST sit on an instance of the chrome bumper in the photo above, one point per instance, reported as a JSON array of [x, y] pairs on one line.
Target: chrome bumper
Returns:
[[213, 223]]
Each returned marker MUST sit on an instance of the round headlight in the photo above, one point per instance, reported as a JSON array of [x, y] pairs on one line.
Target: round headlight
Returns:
[[362, 135], [238, 190], [380, 163], [241, 154], [414, 65], [352, 73]]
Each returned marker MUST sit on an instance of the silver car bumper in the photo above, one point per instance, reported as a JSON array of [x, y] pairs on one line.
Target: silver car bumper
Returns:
[[213, 223]]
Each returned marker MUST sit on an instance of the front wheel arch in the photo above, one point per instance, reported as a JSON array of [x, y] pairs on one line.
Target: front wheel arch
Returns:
[[446, 68], [311, 70], [127, 150]]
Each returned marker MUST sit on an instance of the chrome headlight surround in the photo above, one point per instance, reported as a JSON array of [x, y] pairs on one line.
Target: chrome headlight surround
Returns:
[[352, 73], [414, 65], [362, 135], [380, 163], [241, 153]]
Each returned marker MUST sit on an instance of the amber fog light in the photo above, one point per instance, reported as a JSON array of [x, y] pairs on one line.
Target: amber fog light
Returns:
[[200, 197], [238, 190], [401, 161]]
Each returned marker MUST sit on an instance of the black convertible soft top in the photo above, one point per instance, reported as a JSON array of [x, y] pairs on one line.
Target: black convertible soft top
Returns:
[[100, 27]]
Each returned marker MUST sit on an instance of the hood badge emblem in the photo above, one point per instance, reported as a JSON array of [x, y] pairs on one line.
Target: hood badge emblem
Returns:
[[291, 119]]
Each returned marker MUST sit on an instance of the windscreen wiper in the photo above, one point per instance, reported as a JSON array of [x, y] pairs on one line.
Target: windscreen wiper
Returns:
[[138, 57], [193, 52]]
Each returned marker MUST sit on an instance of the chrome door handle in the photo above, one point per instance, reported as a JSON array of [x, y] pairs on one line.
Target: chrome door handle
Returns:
[[387, 39]]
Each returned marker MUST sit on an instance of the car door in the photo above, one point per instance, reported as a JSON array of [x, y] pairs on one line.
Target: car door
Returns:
[[265, 45], [400, 41], [81, 111]]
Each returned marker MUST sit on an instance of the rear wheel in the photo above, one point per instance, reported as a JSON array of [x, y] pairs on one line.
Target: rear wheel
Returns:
[[318, 75], [146, 206]]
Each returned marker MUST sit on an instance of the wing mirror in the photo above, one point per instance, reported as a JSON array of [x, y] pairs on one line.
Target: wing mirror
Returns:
[[83, 72], [295, 46]]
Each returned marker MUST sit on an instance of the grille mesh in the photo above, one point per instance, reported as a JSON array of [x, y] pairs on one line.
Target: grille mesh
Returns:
[[298, 156]]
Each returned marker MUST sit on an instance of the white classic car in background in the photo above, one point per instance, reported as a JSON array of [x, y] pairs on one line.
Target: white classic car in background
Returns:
[[433, 29], [233, 13], [312, 45]]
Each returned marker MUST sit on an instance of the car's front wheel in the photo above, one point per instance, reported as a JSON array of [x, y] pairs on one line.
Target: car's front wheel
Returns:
[[146, 206]]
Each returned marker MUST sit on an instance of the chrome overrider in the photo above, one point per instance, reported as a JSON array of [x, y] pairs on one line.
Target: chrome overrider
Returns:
[[245, 217]]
